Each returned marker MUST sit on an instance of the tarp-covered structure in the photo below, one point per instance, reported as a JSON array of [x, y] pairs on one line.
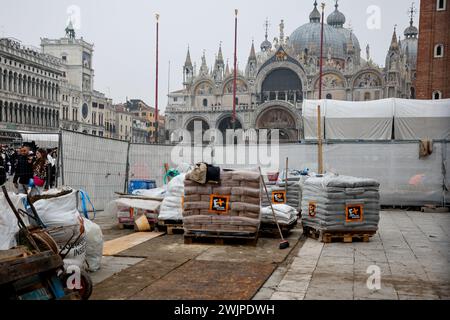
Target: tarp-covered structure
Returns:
[[385, 119], [422, 119]]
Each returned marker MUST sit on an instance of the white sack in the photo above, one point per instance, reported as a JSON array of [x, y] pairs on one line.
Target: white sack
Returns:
[[285, 214], [94, 245], [171, 207], [61, 216], [8, 221]]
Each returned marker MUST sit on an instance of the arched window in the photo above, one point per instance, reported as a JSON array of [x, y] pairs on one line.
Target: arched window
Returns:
[[439, 51], [329, 96], [205, 102], [437, 95]]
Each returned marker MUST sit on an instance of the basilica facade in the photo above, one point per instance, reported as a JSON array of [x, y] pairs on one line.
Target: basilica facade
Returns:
[[285, 72]]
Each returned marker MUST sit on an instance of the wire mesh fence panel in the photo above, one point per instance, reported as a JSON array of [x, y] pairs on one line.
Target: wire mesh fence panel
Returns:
[[98, 165], [94, 164], [147, 161]]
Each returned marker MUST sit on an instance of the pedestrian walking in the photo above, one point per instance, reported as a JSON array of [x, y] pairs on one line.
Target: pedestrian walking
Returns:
[[40, 170], [23, 170]]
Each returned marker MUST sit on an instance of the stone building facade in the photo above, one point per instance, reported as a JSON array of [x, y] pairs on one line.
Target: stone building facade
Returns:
[[276, 80], [52, 87], [30, 87], [83, 108], [433, 61]]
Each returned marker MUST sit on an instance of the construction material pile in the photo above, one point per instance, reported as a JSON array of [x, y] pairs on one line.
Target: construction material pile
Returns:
[[285, 214], [171, 207], [341, 203], [281, 195], [230, 206]]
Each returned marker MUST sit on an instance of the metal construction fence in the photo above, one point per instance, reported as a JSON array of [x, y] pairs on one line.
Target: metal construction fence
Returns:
[[102, 166]]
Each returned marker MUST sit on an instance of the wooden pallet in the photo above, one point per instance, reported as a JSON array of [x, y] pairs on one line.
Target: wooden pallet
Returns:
[[271, 229], [337, 236], [171, 226], [122, 226], [220, 238]]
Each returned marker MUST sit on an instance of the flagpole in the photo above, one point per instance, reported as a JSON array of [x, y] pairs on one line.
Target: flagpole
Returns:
[[156, 80], [319, 126], [235, 68]]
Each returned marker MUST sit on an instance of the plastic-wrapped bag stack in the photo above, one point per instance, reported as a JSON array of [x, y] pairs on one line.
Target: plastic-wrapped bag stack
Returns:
[[172, 205], [341, 203], [238, 200], [293, 194], [285, 214]]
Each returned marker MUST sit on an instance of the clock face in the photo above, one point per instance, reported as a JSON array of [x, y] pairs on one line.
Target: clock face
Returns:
[[84, 110]]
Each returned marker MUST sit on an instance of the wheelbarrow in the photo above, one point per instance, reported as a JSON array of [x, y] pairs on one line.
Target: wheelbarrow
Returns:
[[44, 262]]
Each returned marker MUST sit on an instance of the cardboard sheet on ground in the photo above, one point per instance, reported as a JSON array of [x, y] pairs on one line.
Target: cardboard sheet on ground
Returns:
[[115, 246]]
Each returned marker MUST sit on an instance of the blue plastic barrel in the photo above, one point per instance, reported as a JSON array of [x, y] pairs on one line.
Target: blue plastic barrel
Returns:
[[136, 184]]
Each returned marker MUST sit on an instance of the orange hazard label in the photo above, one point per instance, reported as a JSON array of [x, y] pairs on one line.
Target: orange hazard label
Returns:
[[354, 212], [278, 196], [219, 203], [312, 209]]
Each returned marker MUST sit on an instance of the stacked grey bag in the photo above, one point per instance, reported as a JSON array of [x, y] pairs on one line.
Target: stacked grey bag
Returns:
[[293, 195], [328, 203]]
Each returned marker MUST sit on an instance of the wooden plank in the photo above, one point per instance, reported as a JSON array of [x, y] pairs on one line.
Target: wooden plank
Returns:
[[115, 246]]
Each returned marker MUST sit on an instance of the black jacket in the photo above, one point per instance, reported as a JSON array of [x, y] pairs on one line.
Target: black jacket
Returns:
[[2, 171], [24, 170]]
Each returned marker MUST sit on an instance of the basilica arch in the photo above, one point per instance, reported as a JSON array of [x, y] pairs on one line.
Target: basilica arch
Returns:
[[241, 85], [225, 122], [190, 125], [290, 65], [367, 85], [334, 86], [278, 115]]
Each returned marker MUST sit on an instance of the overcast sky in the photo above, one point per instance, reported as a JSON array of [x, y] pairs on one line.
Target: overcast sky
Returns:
[[123, 33]]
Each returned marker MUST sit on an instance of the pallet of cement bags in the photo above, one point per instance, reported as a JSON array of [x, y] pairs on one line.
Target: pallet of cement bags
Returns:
[[340, 207], [290, 195], [228, 209], [286, 218]]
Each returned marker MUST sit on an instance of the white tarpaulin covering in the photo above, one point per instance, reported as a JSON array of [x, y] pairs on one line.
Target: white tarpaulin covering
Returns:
[[374, 120], [422, 119], [371, 120], [363, 120], [309, 114]]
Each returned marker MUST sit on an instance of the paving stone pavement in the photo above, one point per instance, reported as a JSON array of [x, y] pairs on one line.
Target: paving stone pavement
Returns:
[[411, 251]]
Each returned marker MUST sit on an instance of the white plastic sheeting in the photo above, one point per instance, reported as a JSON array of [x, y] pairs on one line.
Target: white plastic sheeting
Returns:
[[309, 114], [404, 178], [422, 119], [375, 120], [371, 120]]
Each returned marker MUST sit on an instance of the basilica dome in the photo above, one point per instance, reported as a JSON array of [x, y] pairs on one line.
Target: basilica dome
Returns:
[[336, 38]]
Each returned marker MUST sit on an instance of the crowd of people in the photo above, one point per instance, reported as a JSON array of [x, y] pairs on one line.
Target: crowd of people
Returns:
[[32, 169]]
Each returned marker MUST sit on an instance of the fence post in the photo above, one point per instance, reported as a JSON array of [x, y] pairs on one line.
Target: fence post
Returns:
[[60, 167], [127, 169]]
